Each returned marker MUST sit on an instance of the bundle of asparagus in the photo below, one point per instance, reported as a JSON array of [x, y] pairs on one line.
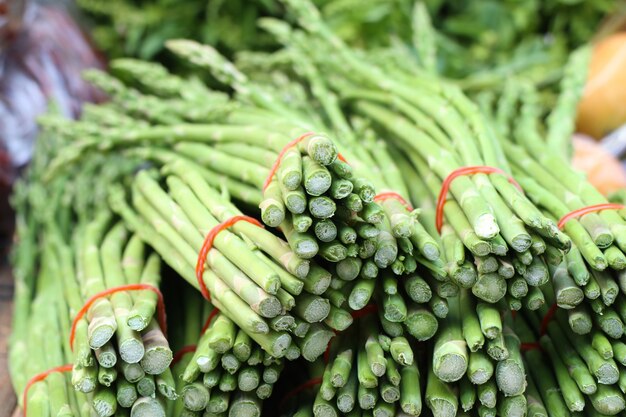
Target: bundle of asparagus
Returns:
[[588, 279], [367, 370], [489, 215], [228, 370], [253, 278], [219, 369], [370, 373], [119, 354], [41, 321], [136, 362], [572, 373]]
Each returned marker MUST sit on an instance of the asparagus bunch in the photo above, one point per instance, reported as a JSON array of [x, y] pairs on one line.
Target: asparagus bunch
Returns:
[[401, 241], [43, 321], [573, 373], [57, 277], [253, 277], [489, 216], [581, 279], [587, 280], [474, 356], [366, 370], [418, 253], [229, 372], [120, 352], [371, 372]]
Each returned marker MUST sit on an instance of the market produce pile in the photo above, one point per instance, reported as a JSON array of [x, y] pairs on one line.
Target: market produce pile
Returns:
[[319, 230]]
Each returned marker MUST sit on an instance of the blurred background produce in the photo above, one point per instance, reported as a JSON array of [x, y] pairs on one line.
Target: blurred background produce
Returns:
[[43, 52]]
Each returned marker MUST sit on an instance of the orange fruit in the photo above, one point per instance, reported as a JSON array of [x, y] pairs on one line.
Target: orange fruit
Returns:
[[603, 170], [603, 105]]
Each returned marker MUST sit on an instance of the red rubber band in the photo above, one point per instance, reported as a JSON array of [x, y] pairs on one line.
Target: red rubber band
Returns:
[[207, 323], [327, 351], [280, 157], [390, 194], [543, 329], [182, 352], [525, 347], [109, 291], [368, 309], [480, 169], [547, 319], [40, 377], [288, 146], [208, 244], [587, 210], [308, 384], [192, 348]]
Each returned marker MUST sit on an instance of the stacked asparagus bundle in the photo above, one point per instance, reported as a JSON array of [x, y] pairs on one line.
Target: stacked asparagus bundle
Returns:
[[416, 250], [584, 343], [232, 385], [254, 278], [588, 279], [491, 376], [228, 370], [120, 352], [345, 246], [573, 373], [41, 321], [367, 370], [531, 233]]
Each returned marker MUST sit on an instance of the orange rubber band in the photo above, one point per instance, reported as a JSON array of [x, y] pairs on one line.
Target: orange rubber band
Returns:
[[390, 194], [208, 244], [368, 309], [308, 384], [288, 146], [547, 319], [525, 347], [587, 210], [280, 157], [480, 169], [207, 323], [40, 377], [109, 291], [192, 348], [182, 352], [543, 329]]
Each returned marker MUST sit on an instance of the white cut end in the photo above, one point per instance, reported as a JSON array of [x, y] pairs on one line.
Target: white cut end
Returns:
[[486, 227], [100, 336], [131, 351]]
